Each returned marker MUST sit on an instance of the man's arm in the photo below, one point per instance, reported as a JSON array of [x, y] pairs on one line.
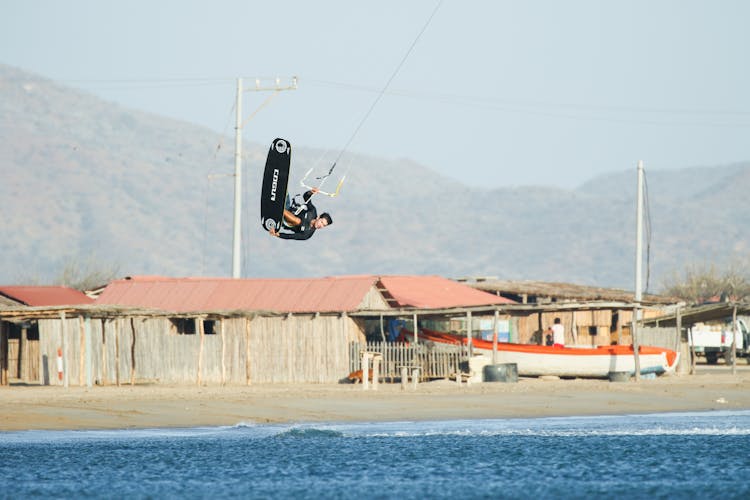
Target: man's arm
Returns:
[[309, 194]]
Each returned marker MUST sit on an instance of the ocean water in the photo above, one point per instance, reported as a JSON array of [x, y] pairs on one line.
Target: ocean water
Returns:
[[685, 455]]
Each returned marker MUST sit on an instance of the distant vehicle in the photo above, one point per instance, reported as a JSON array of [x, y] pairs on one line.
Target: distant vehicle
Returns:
[[715, 339]]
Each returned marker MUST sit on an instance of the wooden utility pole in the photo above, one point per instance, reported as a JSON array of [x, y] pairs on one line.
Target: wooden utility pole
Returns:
[[276, 87]]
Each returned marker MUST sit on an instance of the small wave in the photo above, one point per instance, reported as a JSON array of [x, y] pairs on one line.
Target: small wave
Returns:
[[312, 432]]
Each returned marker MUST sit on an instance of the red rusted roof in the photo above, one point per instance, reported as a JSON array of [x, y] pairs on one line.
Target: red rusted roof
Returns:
[[205, 294], [331, 294], [434, 292], [45, 295]]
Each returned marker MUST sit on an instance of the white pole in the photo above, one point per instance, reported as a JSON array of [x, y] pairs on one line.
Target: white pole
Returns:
[[734, 340], [237, 183], [638, 265]]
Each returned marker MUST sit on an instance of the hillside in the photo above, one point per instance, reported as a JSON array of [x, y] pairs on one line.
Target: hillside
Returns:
[[85, 179]]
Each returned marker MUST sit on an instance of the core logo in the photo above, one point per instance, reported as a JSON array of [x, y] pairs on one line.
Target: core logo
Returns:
[[274, 182]]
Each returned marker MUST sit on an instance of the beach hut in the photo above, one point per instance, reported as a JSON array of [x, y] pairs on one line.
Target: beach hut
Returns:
[[19, 338], [225, 331], [590, 315]]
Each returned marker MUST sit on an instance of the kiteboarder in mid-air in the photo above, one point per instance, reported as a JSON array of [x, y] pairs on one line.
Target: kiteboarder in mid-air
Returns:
[[301, 218]]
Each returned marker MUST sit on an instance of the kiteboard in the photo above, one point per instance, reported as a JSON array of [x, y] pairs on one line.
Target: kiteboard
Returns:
[[275, 180]]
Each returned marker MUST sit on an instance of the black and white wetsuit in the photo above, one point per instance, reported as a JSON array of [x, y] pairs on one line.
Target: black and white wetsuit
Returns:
[[302, 207]]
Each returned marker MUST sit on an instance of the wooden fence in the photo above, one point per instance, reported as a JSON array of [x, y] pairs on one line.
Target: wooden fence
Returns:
[[434, 361]]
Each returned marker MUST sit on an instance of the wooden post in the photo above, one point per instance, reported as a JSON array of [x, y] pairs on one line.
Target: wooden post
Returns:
[[678, 326], [405, 377], [469, 345], [103, 379], [494, 337], [23, 353], [223, 349], [248, 379], [540, 327], [416, 329], [414, 377], [117, 351], [619, 327], [132, 353], [376, 370], [82, 351], [89, 351], [3, 353], [636, 347], [199, 323], [64, 343], [457, 358]]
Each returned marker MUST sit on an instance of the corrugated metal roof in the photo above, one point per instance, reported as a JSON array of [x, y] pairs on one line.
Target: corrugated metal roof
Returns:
[[205, 294], [331, 294], [45, 295], [435, 292]]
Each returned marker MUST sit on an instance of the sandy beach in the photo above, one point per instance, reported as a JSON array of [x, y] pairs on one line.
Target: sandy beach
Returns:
[[154, 406]]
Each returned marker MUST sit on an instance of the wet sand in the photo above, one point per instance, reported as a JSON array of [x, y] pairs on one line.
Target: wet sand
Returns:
[[155, 406]]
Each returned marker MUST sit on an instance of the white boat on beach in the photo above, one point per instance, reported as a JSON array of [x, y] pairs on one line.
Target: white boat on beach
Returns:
[[537, 360]]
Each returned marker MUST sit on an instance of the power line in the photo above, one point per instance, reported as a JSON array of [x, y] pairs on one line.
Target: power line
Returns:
[[388, 83]]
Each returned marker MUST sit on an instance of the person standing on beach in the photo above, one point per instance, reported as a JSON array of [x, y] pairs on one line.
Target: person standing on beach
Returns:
[[558, 333]]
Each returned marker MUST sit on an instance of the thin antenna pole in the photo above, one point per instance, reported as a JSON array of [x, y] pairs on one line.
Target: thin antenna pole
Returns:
[[237, 241], [638, 266], [259, 87]]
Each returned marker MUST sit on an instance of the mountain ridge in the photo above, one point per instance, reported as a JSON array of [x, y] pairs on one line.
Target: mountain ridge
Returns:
[[87, 179]]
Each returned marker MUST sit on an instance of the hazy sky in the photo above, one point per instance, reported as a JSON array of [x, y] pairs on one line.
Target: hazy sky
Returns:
[[494, 93]]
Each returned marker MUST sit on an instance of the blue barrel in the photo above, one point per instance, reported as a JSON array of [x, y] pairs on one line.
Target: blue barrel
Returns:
[[504, 372]]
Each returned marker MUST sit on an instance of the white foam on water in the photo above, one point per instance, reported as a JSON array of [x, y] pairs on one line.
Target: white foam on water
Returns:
[[716, 423], [720, 423]]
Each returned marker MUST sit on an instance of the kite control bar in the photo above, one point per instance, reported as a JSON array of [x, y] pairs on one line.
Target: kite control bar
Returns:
[[322, 180]]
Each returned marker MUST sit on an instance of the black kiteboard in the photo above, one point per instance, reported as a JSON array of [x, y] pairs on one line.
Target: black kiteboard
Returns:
[[275, 179]]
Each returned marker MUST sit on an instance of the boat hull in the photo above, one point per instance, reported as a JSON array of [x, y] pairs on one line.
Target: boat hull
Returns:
[[536, 360]]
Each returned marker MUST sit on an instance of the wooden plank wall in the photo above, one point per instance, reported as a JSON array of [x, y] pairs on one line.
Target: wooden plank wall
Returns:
[[303, 349], [530, 331]]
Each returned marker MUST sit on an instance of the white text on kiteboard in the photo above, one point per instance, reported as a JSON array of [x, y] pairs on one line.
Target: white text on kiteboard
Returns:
[[273, 184]]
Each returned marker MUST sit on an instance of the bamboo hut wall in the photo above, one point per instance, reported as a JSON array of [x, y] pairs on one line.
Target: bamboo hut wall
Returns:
[[50, 339], [282, 350], [527, 326], [301, 349], [23, 360], [161, 353], [597, 318], [14, 368], [530, 331]]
